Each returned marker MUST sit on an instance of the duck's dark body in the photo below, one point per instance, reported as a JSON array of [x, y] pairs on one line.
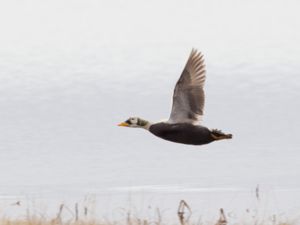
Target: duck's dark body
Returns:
[[184, 133]]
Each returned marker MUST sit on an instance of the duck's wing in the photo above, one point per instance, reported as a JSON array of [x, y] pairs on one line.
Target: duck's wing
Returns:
[[188, 97]]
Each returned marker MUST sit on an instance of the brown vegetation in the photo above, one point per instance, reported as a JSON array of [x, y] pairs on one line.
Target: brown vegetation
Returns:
[[184, 214]]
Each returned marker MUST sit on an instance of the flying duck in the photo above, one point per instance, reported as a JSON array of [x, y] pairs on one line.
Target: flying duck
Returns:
[[184, 125]]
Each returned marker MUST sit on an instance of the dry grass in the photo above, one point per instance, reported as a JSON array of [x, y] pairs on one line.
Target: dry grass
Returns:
[[43, 221], [184, 218]]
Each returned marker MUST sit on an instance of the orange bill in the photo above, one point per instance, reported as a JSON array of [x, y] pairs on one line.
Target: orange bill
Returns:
[[123, 124]]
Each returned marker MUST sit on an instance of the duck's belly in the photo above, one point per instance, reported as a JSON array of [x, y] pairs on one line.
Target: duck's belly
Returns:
[[182, 133]]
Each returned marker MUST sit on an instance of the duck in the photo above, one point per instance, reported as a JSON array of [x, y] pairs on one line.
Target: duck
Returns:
[[185, 122]]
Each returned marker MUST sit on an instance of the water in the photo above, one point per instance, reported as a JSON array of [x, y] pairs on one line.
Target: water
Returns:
[[70, 73]]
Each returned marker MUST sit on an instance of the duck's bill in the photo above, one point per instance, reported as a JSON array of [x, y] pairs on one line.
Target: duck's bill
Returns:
[[123, 124]]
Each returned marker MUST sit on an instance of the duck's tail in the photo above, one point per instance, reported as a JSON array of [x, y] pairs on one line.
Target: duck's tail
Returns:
[[219, 135]]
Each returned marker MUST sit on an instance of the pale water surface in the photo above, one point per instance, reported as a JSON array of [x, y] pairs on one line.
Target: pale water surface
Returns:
[[70, 71]]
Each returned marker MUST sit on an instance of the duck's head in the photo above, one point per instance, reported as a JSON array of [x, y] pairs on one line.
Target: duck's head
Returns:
[[135, 122]]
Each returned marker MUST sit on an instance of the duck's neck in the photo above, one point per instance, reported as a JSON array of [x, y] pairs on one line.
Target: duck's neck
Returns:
[[147, 126], [144, 124]]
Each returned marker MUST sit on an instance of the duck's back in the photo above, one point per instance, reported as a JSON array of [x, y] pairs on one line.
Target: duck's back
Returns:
[[184, 133]]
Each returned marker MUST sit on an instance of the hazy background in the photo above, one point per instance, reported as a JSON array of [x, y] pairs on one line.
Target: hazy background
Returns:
[[71, 70]]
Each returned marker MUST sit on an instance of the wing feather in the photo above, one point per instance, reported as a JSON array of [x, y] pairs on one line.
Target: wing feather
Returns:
[[188, 97]]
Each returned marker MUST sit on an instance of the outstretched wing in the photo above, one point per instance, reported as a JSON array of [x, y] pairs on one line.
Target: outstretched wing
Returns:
[[188, 97]]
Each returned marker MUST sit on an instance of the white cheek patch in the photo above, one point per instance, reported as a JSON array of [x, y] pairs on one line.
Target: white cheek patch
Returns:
[[134, 121]]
